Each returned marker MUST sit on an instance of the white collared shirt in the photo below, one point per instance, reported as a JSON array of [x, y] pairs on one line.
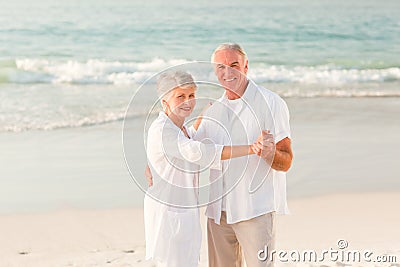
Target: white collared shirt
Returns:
[[249, 186], [173, 232]]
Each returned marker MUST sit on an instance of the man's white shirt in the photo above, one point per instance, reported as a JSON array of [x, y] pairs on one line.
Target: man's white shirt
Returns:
[[249, 186]]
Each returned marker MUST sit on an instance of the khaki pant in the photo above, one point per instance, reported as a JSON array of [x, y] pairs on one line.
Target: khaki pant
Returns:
[[228, 242]]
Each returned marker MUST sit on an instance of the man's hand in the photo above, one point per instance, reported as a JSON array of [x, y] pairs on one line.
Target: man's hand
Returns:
[[149, 177], [264, 146], [279, 155]]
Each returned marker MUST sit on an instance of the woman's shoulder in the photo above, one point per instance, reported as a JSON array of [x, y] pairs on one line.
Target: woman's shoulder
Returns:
[[159, 126]]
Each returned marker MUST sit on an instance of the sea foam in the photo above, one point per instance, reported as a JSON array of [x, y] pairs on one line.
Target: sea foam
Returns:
[[97, 71]]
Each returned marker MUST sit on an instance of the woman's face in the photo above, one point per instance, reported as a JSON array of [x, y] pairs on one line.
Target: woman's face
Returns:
[[181, 102]]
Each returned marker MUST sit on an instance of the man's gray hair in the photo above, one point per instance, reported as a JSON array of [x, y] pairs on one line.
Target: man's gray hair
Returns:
[[170, 80], [231, 46]]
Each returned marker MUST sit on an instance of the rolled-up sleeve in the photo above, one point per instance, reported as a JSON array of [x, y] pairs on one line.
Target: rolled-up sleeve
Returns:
[[176, 144], [281, 119]]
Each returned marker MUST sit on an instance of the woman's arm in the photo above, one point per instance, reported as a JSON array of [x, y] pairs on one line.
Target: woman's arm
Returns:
[[148, 175], [196, 124], [229, 152]]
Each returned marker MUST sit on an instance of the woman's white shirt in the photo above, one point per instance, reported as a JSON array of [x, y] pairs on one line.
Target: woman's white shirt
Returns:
[[172, 226]]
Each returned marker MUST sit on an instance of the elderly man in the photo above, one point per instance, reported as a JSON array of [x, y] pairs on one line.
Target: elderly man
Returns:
[[241, 221]]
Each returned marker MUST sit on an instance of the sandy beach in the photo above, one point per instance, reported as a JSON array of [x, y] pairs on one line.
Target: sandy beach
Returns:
[[74, 204], [116, 237]]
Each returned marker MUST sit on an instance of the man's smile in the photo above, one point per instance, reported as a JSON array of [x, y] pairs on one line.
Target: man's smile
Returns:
[[187, 108]]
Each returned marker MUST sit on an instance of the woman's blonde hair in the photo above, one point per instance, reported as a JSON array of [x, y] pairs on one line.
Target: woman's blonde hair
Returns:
[[170, 80]]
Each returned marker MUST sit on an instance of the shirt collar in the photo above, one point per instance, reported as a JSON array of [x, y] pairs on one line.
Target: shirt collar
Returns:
[[166, 119], [248, 94]]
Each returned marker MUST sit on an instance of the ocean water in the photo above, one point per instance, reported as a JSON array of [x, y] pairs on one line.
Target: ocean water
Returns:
[[66, 66], [77, 63]]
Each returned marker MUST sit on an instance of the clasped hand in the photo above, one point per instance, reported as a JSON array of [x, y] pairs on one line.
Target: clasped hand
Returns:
[[264, 146]]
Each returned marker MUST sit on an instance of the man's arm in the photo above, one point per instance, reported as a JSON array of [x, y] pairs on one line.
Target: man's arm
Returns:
[[279, 154], [283, 155]]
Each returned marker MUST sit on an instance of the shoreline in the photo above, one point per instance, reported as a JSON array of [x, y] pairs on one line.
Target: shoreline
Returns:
[[339, 144]]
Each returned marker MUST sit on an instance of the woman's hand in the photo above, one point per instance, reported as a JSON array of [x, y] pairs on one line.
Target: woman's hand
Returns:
[[149, 177], [264, 146], [200, 117]]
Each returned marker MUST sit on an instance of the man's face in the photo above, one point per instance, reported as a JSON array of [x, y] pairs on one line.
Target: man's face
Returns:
[[231, 70]]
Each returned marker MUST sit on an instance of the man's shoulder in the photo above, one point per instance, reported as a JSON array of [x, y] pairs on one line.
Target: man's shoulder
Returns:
[[268, 95]]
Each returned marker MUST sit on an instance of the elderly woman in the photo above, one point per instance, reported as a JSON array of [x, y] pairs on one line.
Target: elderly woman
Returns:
[[172, 225]]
